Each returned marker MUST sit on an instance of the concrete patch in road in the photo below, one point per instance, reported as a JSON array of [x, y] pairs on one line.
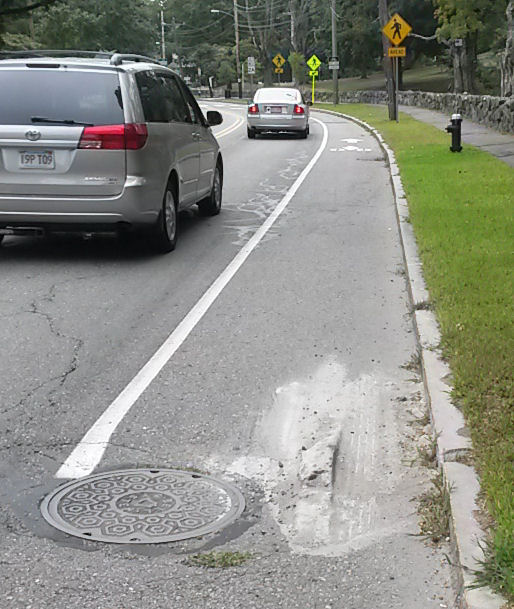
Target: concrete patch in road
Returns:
[[326, 453]]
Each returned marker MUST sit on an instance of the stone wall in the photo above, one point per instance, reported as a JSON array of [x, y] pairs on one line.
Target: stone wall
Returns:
[[495, 112]]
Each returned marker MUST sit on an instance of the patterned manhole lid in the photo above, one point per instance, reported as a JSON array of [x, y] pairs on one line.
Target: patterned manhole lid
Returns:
[[143, 506]]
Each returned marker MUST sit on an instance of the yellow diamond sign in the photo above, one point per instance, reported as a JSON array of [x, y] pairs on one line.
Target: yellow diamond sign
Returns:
[[278, 60], [314, 62], [396, 29]]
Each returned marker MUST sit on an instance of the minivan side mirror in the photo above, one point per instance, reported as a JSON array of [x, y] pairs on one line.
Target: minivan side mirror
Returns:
[[214, 118]]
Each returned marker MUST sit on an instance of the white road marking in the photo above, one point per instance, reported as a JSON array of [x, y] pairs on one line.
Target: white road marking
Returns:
[[350, 149], [351, 140], [88, 453]]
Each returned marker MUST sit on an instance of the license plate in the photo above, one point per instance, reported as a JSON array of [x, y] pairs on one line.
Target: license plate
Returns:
[[42, 159], [277, 109]]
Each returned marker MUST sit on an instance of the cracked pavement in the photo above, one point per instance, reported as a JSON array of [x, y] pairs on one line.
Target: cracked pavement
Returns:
[[291, 387]]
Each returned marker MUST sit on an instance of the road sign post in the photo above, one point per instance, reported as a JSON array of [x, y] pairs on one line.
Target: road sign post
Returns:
[[250, 62], [313, 63], [396, 29]]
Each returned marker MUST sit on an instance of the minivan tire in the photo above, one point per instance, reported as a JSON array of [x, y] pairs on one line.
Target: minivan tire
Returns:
[[211, 206], [164, 233]]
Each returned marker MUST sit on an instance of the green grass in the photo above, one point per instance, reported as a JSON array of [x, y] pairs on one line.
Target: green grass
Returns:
[[434, 511], [461, 208], [219, 560], [422, 78]]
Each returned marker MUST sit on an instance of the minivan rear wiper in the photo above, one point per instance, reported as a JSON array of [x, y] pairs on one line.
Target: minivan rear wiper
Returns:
[[66, 121]]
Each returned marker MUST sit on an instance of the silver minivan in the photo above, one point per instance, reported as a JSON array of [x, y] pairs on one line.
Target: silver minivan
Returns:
[[101, 143]]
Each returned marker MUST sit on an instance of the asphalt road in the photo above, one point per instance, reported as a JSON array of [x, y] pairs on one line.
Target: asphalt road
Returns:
[[293, 385]]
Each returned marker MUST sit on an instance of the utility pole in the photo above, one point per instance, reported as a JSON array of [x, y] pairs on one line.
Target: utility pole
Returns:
[[238, 62], [383, 14], [335, 75], [163, 43]]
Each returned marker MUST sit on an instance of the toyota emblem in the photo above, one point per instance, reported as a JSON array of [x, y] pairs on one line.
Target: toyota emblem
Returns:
[[33, 136]]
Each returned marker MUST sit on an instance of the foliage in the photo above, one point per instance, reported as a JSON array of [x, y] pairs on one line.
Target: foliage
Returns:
[[121, 25], [196, 38], [360, 38], [458, 18], [16, 41], [226, 74], [219, 560], [434, 511], [299, 68], [10, 12]]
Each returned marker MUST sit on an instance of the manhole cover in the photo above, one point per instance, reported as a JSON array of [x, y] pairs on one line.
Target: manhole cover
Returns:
[[143, 506]]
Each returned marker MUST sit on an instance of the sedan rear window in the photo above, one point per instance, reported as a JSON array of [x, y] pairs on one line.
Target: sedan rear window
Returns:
[[58, 95], [277, 95]]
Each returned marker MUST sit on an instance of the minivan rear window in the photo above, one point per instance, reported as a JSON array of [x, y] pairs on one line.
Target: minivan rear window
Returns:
[[60, 95]]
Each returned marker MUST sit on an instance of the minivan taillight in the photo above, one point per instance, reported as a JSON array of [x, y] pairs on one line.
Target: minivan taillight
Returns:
[[129, 136], [298, 110], [253, 109]]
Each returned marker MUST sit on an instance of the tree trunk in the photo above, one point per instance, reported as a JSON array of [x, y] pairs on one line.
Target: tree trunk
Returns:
[[464, 60], [383, 14], [507, 60], [457, 61]]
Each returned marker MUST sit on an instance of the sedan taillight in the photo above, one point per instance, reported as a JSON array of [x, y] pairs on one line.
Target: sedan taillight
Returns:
[[298, 109], [129, 136], [253, 109]]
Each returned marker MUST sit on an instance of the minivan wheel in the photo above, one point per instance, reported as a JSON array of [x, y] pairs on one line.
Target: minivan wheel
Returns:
[[211, 206], [165, 230]]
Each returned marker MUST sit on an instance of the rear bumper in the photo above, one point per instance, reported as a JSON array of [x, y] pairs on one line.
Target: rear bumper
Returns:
[[271, 123], [131, 207]]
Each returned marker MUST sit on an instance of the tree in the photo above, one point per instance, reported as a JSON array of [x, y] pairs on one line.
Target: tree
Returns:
[[127, 26], [298, 68], [507, 59], [462, 21], [12, 9], [359, 38], [262, 33], [300, 24], [16, 7], [226, 74]]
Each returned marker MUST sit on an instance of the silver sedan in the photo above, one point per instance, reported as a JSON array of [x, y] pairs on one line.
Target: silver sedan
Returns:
[[278, 109]]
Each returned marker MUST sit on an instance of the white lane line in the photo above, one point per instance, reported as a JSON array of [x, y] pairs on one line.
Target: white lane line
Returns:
[[88, 453]]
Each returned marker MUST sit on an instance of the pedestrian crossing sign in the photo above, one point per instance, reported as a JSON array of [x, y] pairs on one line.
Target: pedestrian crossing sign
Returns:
[[278, 60], [396, 29], [314, 62]]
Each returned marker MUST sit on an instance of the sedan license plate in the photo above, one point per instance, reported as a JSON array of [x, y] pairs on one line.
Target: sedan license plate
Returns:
[[277, 109], [42, 159]]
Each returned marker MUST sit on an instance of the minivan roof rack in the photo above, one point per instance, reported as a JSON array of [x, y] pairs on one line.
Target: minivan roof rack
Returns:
[[54, 53], [118, 58]]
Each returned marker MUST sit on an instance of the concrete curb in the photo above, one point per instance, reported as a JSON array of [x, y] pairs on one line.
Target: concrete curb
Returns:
[[447, 421]]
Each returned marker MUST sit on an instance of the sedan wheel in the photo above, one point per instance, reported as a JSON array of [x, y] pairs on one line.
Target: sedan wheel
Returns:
[[251, 133]]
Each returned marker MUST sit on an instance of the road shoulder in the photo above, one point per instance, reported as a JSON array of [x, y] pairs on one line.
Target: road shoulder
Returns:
[[453, 443]]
